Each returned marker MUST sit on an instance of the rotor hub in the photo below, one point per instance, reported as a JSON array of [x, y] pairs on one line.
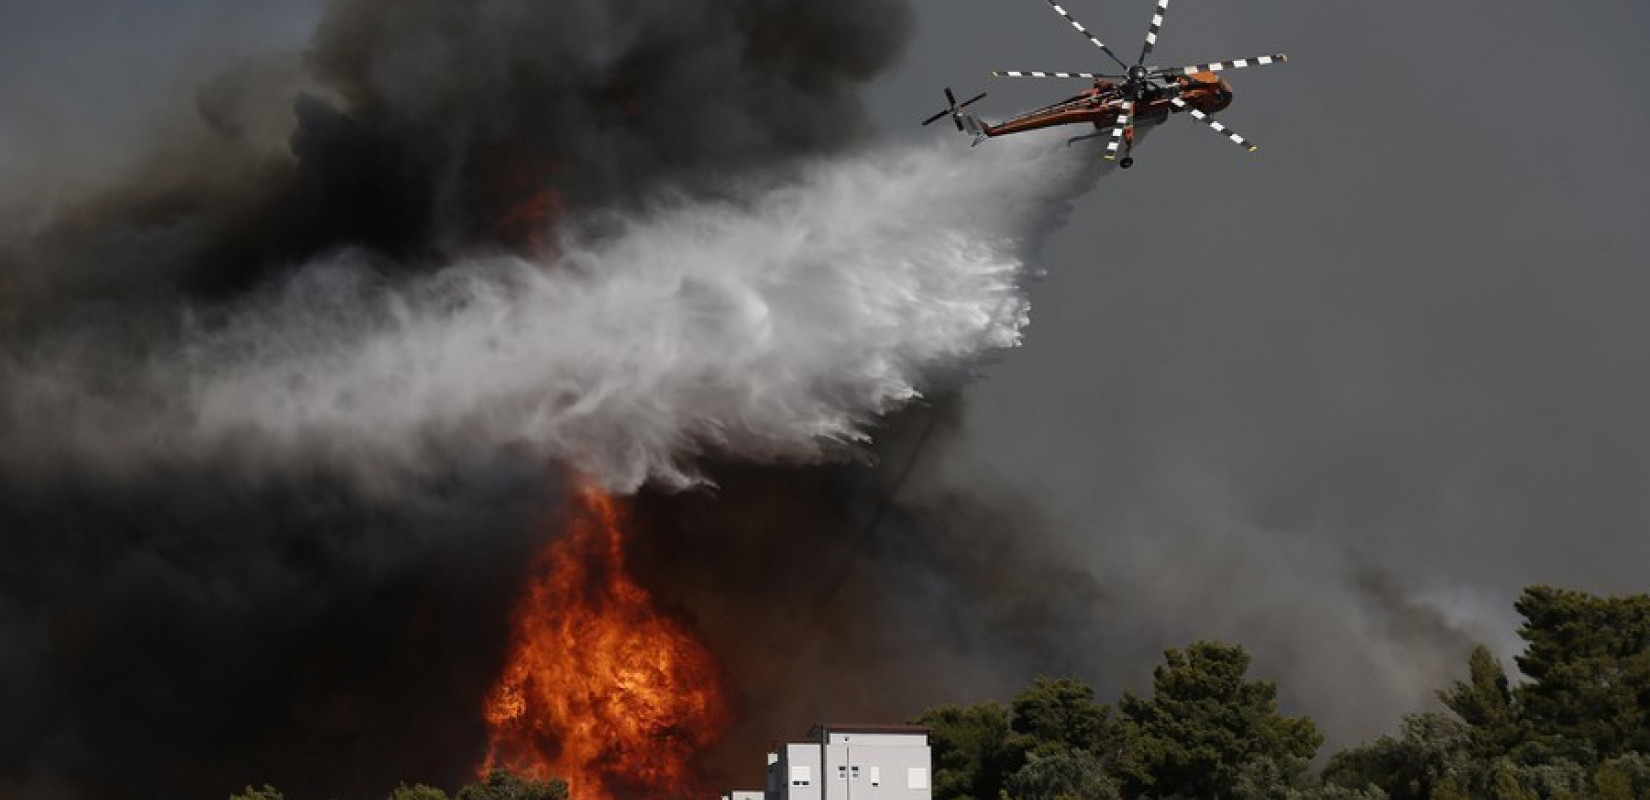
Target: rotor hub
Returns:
[[1137, 74]]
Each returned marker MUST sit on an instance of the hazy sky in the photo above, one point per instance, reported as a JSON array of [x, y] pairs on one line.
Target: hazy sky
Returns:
[[1341, 398], [75, 74], [1336, 400]]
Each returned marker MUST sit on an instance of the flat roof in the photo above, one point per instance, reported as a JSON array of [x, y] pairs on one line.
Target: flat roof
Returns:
[[824, 728]]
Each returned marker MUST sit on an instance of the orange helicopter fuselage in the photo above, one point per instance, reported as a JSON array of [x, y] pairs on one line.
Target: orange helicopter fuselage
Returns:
[[1101, 105]]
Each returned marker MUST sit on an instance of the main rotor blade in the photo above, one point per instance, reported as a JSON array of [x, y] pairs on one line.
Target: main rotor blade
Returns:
[[1217, 66], [1151, 32], [1125, 120], [1213, 124], [1085, 31], [1011, 73]]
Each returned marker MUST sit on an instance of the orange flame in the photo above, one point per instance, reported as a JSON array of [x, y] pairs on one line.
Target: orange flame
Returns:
[[527, 222], [600, 688]]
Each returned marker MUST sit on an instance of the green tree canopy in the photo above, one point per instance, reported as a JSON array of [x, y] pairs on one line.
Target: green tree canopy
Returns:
[[1622, 778], [417, 792], [1067, 774], [1410, 767], [1486, 704], [1205, 725], [1573, 730], [504, 785], [1588, 664], [970, 746], [1055, 714]]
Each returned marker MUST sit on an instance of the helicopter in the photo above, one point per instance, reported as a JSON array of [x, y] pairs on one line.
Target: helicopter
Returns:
[[1140, 95]]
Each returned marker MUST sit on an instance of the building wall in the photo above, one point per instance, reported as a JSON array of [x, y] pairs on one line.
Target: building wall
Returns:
[[877, 767], [797, 774], [849, 765]]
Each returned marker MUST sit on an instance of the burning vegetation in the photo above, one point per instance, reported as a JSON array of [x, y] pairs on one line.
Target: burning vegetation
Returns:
[[603, 688], [285, 426]]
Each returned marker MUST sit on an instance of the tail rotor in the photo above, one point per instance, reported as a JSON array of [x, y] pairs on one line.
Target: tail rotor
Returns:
[[1141, 83], [954, 109]]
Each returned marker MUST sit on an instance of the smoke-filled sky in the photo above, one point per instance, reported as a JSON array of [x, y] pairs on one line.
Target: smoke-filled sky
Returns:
[[296, 369], [280, 398], [1339, 399]]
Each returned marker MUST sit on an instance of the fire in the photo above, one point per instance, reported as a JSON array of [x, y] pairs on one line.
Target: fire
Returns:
[[601, 688], [526, 223]]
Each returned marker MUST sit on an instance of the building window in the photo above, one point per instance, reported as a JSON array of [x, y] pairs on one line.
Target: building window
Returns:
[[916, 778], [841, 772], [855, 770], [801, 776], [876, 776]]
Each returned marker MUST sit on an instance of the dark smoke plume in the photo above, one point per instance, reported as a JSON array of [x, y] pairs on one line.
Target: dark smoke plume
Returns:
[[184, 634], [867, 591], [280, 405], [417, 126]]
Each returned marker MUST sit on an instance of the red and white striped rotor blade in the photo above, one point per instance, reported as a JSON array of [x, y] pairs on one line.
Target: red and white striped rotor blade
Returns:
[[1214, 124]]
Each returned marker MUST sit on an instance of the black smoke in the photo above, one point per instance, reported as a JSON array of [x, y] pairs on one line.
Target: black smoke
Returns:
[[184, 628], [184, 625], [867, 591], [187, 633], [416, 127]]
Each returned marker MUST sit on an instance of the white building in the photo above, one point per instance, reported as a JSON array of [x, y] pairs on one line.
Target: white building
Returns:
[[850, 762]]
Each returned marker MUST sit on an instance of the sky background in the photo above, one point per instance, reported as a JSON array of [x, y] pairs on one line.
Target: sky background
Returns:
[[1341, 398], [1336, 400], [76, 74]]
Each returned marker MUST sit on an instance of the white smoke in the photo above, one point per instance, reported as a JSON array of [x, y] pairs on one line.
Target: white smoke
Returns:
[[774, 328]]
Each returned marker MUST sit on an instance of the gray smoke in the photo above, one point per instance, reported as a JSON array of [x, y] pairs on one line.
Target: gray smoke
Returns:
[[1338, 400], [413, 129], [853, 592], [287, 398]]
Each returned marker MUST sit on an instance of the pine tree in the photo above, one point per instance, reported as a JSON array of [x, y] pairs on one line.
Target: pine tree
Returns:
[[1205, 725]]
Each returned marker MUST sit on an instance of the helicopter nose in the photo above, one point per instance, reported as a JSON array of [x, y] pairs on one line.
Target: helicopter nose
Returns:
[[1223, 94]]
